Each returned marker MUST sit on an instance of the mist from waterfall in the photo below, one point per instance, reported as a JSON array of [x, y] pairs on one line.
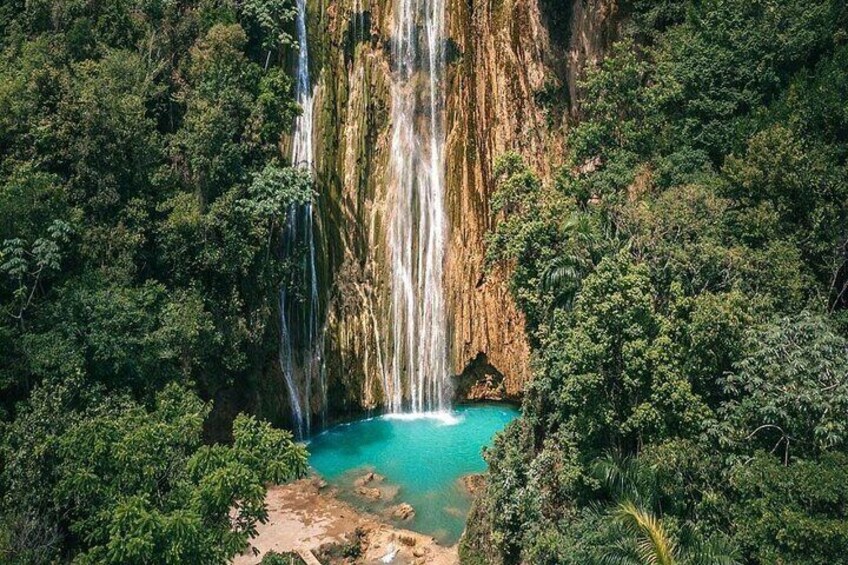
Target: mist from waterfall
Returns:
[[418, 377], [301, 335]]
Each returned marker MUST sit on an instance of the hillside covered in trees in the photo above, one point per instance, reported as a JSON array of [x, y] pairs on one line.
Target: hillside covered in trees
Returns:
[[141, 200], [682, 275], [685, 281]]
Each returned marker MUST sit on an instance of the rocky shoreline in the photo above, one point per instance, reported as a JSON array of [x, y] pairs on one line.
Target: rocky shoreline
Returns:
[[307, 514]]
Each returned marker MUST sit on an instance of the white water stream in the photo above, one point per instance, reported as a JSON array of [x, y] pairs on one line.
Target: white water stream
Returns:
[[417, 379], [418, 375], [301, 335]]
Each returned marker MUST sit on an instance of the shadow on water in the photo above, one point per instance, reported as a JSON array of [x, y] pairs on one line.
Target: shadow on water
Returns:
[[378, 432]]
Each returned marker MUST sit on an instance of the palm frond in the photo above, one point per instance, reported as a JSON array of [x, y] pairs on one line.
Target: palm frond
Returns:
[[623, 552], [654, 544], [716, 550], [625, 478]]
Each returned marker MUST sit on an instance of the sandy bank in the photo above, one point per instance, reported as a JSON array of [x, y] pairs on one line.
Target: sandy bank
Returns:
[[302, 515]]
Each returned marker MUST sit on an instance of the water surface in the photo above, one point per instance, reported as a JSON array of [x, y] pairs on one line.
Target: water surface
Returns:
[[422, 458]]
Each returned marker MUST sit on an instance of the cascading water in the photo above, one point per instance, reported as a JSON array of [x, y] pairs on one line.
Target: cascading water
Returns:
[[418, 377], [301, 336]]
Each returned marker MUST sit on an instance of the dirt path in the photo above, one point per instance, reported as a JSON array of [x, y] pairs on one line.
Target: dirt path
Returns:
[[302, 515]]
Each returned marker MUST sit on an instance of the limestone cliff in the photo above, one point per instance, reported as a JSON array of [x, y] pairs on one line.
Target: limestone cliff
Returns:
[[512, 72]]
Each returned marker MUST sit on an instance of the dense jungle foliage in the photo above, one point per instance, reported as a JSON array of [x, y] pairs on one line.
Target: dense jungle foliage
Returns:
[[684, 279], [141, 200], [685, 282]]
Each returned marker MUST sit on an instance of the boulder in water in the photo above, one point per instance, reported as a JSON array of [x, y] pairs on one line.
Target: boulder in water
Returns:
[[367, 479], [402, 511], [369, 493]]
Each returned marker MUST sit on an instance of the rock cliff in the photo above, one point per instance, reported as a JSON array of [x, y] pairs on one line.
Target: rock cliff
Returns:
[[512, 74]]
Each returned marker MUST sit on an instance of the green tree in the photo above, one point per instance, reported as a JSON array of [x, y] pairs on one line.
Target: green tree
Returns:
[[789, 394], [141, 206], [794, 513], [129, 484], [665, 271], [646, 541]]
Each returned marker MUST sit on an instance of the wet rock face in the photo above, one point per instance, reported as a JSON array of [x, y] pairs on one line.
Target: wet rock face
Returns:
[[513, 87], [505, 58], [510, 84], [480, 380]]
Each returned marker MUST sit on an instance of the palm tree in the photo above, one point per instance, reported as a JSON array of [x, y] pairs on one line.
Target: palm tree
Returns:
[[626, 478], [564, 275], [562, 279], [647, 542], [643, 539]]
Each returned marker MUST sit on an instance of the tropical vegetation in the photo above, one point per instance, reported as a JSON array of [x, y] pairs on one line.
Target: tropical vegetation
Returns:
[[141, 202], [685, 283]]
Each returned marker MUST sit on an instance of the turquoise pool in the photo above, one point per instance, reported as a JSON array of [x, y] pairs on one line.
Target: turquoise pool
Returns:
[[421, 457]]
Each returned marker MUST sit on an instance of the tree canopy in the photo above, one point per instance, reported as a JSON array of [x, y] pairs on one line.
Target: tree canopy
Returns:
[[142, 198], [684, 279]]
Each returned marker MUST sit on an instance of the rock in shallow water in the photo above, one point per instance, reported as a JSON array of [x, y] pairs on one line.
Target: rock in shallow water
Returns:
[[402, 511], [368, 478], [369, 493]]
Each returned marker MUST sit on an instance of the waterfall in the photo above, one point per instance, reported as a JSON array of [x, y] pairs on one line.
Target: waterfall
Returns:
[[417, 231], [301, 336], [302, 147]]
